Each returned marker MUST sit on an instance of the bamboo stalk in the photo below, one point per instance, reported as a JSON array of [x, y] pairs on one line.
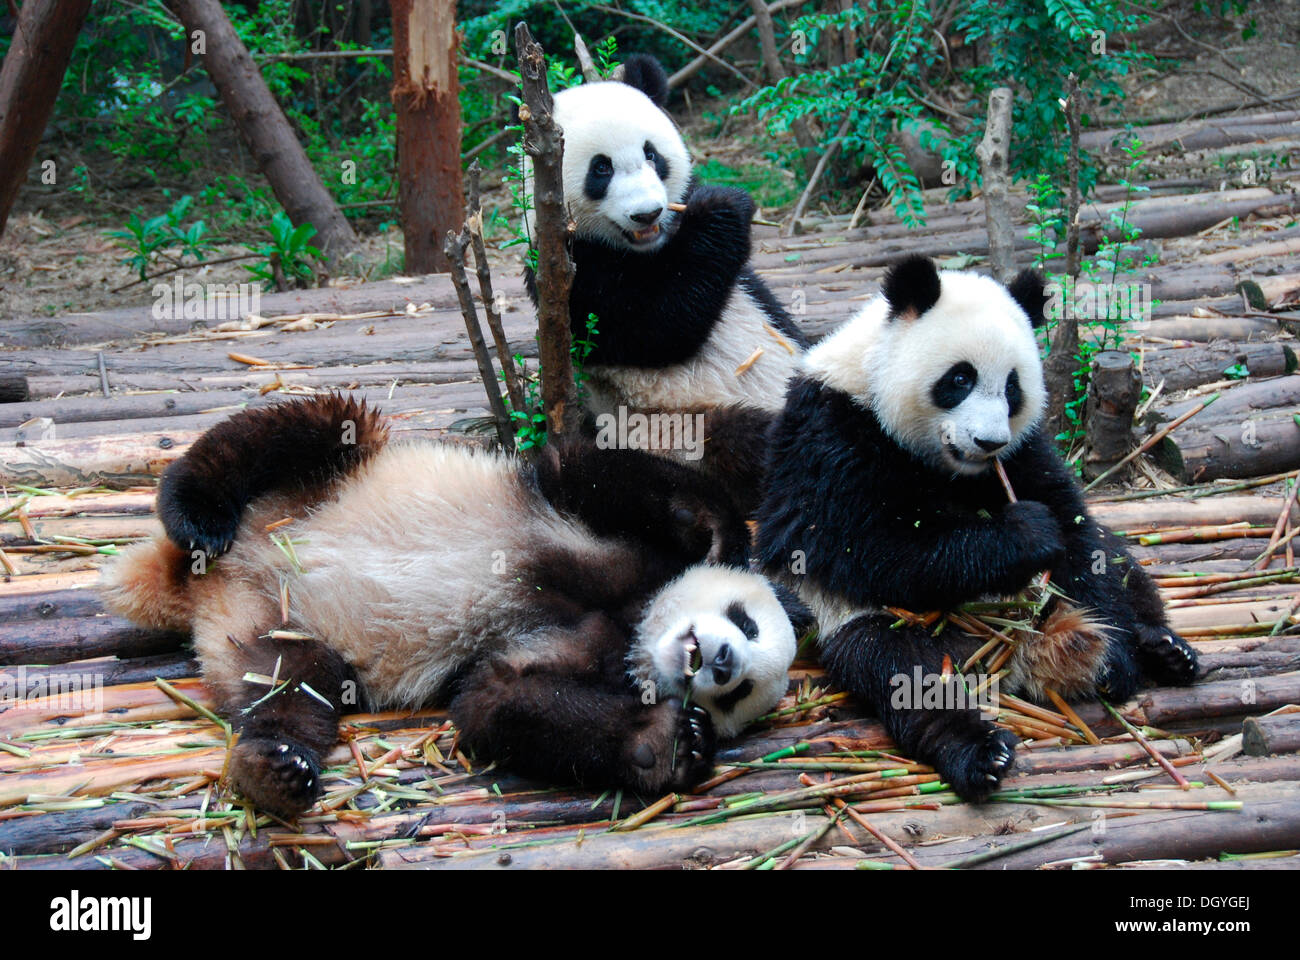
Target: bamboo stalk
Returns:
[[889, 842], [1151, 751], [1152, 440], [1278, 528], [1074, 718]]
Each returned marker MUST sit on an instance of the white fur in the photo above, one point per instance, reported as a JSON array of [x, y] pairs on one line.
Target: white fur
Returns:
[[889, 366], [616, 120], [711, 376], [695, 604]]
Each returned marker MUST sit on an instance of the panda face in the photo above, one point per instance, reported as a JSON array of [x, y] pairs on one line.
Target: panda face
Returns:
[[720, 636], [624, 162], [947, 361]]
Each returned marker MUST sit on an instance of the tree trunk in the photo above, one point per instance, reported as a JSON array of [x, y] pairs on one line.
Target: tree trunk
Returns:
[[1113, 395], [30, 79], [775, 71], [426, 92], [263, 126]]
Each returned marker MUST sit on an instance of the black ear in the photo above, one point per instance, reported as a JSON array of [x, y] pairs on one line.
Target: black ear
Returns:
[[1028, 290], [911, 286], [801, 618], [647, 74]]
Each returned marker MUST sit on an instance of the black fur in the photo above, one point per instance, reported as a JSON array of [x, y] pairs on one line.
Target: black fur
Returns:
[[875, 525], [1028, 290], [600, 171], [291, 446], [645, 73], [656, 309], [911, 286]]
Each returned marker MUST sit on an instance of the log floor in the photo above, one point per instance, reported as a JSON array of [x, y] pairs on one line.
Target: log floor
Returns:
[[128, 773]]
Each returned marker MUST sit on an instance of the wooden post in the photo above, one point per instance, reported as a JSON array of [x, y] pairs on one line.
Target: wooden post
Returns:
[[1113, 394], [544, 144], [263, 127], [30, 78], [426, 93], [994, 152]]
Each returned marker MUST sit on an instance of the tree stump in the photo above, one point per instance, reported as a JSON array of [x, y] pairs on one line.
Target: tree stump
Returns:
[[1113, 395]]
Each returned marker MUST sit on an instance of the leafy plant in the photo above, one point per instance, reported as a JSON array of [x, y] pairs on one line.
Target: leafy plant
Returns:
[[148, 240], [289, 253]]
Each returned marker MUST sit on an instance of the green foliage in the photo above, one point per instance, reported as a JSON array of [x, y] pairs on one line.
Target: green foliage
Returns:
[[148, 241], [1031, 45], [769, 184], [290, 250]]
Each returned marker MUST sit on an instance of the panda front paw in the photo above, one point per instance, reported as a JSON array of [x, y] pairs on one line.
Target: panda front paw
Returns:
[[1166, 657], [975, 769], [710, 207], [674, 751], [1038, 536], [278, 776]]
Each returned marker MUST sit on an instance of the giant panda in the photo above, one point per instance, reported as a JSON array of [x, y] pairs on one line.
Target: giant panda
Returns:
[[564, 609], [882, 493], [684, 325]]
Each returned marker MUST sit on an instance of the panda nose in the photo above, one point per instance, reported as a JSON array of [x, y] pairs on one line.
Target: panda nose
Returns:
[[723, 664], [647, 216], [989, 446]]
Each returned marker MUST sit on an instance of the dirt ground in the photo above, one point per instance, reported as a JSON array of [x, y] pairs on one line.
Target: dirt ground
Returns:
[[55, 257]]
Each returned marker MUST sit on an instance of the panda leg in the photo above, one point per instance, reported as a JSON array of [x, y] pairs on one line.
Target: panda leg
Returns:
[[1161, 654], [879, 666], [276, 762], [633, 494], [570, 716], [296, 445]]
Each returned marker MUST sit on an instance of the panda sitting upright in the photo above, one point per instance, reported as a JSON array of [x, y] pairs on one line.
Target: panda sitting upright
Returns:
[[684, 325], [881, 493]]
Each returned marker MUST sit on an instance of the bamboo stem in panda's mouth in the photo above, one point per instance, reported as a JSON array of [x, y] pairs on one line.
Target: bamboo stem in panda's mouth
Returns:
[[1001, 471], [677, 207]]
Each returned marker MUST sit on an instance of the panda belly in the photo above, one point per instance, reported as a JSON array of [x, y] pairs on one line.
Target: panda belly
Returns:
[[412, 571], [716, 376]]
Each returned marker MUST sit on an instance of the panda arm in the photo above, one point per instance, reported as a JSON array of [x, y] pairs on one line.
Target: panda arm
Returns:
[[568, 713], [637, 496], [658, 308]]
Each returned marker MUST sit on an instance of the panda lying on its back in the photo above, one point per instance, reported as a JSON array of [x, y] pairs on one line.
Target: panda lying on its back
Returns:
[[681, 316], [881, 489], [561, 609]]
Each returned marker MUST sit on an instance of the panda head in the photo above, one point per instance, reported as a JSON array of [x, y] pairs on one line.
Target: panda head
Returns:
[[624, 161], [723, 636], [947, 361]]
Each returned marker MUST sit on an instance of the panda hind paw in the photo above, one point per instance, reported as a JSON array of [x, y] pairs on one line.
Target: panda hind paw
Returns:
[[1166, 657], [277, 775]]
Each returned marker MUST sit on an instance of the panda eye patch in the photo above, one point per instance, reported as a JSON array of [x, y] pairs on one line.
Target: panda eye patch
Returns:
[[1015, 396], [599, 172], [954, 386], [743, 621], [653, 156]]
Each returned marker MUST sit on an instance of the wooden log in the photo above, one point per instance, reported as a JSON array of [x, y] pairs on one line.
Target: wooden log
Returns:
[[1113, 393], [1204, 329], [1189, 135], [120, 460], [1235, 403], [1224, 698], [1172, 834], [25, 681], [14, 388], [1182, 216], [65, 639], [1263, 736], [1181, 369], [1251, 447], [1148, 515]]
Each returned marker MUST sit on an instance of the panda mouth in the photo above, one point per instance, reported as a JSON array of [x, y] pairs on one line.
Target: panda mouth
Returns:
[[965, 459], [694, 658], [646, 235]]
